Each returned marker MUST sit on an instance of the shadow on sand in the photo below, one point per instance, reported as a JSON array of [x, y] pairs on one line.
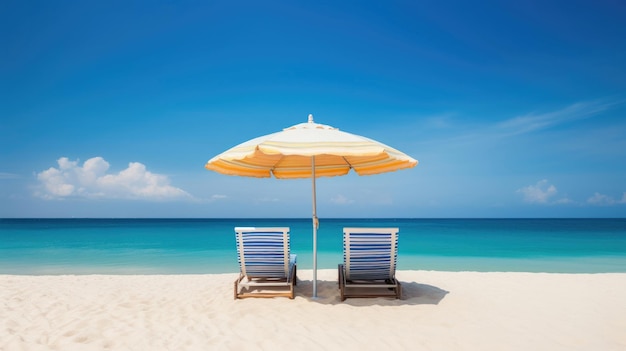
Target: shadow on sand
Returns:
[[413, 293]]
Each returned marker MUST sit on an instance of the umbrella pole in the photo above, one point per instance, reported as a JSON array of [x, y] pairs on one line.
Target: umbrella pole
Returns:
[[315, 225]]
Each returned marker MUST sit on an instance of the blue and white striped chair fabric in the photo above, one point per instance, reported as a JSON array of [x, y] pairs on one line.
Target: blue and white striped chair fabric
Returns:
[[370, 253], [264, 252]]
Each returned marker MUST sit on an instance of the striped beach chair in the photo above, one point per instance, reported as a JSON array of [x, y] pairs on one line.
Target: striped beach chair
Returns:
[[369, 263], [266, 267]]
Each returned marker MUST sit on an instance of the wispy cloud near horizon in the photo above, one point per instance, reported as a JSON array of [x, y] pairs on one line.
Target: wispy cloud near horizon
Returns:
[[544, 193], [6, 175], [604, 200], [538, 193], [340, 199]]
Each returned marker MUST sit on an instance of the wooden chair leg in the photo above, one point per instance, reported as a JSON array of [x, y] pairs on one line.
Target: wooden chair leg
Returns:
[[237, 281], [340, 281], [294, 279]]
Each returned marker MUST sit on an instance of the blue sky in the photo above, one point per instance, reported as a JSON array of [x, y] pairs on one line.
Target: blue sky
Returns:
[[513, 108]]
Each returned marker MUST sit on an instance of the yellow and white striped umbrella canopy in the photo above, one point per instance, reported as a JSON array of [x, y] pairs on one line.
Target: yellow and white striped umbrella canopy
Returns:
[[287, 154]]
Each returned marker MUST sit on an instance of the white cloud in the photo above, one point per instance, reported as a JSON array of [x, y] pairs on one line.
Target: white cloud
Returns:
[[544, 192], [600, 200], [604, 200], [341, 200], [538, 193], [91, 180]]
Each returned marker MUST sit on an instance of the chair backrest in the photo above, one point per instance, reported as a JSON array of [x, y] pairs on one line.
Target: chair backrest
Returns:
[[370, 253], [263, 252]]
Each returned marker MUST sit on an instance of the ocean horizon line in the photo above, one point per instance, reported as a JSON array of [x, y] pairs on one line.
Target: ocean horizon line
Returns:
[[321, 218]]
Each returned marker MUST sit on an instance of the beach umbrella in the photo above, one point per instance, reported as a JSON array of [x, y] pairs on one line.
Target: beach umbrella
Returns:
[[309, 150]]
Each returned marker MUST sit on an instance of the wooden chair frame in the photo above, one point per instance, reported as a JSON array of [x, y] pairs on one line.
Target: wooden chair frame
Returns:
[[280, 265], [362, 286]]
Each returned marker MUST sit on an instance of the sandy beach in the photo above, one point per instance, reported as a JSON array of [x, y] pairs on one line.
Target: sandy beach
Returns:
[[439, 311]]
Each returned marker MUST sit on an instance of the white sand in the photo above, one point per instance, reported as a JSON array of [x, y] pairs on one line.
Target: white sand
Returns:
[[440, 311]]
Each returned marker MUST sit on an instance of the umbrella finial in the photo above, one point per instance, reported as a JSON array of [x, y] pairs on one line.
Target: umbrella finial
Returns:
[[310, 118]]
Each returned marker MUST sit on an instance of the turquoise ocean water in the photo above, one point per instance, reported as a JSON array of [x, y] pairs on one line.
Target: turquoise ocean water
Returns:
[[165, 246]]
